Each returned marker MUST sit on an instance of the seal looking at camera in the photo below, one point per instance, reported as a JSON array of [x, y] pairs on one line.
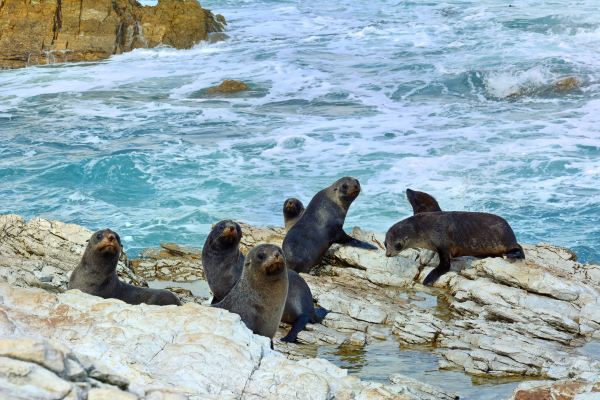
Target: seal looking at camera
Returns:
[[96, 274]]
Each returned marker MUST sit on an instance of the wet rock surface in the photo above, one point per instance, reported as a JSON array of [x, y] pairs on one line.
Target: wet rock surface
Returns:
[[487, 317], [47, 31]]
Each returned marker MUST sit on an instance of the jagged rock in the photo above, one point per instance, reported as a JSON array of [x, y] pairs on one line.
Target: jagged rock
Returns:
[[42, 253], [48, 31], [146, 348], [170, 262]]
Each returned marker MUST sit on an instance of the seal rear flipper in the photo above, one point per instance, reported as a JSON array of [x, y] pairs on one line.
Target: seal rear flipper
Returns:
[[319, 315], [347, 240], [298, 326], [441, 269], [517, 254]]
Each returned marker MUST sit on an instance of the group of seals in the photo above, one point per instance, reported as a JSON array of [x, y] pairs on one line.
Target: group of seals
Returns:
[[310, 232], [450, 234], [224, 268], [265, 288], [96, 274]]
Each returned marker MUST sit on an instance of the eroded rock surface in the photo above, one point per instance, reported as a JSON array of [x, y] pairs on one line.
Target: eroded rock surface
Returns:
[[46, 31]]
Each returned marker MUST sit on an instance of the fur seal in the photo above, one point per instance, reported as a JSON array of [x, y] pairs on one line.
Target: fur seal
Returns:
[[259, 295], [96, 274], [321, 225], [453, 234], [292, 211], [221, 258], [422, 202], [299, 308]]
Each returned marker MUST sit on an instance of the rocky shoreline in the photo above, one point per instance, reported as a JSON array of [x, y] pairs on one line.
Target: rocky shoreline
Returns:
[[494, 318], [48, 31]]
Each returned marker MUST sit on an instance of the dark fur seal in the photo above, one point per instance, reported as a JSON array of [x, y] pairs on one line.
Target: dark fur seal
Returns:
[[299, 308], [292, 211], [422, 202], [96, 274], [259, 295], [221, 258], [321, 225], [453, 234]]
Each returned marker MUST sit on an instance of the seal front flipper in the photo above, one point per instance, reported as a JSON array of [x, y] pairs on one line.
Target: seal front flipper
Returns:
[[298, 326], [516, 254], [347, 240], [441, 269], [319, 315]]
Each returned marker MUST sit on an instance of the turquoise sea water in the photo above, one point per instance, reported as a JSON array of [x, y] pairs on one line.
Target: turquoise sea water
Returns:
[[455, 98]]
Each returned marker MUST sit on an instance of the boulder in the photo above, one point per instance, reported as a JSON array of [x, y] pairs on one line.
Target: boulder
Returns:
[[47, 31]]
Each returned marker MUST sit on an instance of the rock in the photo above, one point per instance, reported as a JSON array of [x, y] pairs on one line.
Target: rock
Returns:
[[563, 390], [567, 84], [170, 262], [228, 86], [49, 31], [42, 253], [420, 390], [149, 347]]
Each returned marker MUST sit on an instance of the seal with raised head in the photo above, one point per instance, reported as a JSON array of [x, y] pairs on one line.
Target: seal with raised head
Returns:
[[422, 202], [259, 295], [321, 225], [453, 234], [96, 274], [292, 211], [221, 258]]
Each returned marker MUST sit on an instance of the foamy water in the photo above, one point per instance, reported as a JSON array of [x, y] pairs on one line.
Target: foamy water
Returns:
[[455, 98]]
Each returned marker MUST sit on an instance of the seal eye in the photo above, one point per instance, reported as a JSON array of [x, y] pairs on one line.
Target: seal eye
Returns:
[[344, 187], [398, 246], [99, 236], [261, 256]]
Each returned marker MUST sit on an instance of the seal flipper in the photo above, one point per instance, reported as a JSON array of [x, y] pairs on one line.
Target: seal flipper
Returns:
[[318, 315], [517, 253], [298, 326], [347, 240], [441, 269]]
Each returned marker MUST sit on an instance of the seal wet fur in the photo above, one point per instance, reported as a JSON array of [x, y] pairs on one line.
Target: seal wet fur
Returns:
[[96, 274], [453, 234], [321, 225], [221, 258], [259, 295]]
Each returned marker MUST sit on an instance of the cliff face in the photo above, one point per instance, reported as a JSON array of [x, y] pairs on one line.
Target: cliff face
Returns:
[[44, 31]]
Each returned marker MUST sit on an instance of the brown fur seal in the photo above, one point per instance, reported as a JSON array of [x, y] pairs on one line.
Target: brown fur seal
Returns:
[[96, 274], [221, 258], [453, 234], [259, 295], [422, 202], [321, 225], [292, 211]]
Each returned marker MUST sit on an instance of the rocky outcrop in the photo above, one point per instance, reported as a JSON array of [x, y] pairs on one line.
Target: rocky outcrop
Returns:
[[560, 390], [46, 31], [227, 86], [76, 346], [488, 317]]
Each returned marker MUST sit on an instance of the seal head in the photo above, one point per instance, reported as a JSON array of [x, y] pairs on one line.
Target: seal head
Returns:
[[292, 211]]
